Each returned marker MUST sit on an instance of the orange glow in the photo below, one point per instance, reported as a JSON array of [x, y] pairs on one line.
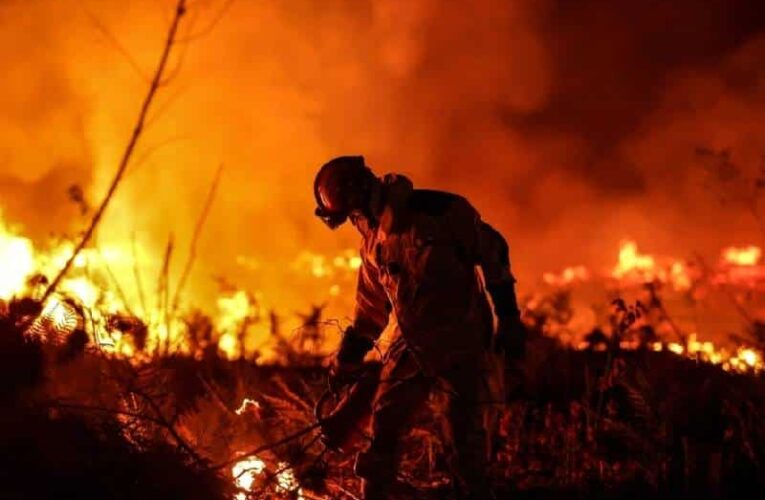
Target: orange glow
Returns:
[[568, 276], [247, 403], [17, 255], [634, 267], [742, 256], [247, 470], [631, 262]]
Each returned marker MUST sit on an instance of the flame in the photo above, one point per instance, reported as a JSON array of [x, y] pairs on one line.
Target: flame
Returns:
[[742, 256], [743, 360], [17, 256], [287, 482], [632, 262], [246, 471], [321, 266], [634, 267], [739, 267], [247, 403], [90, 283], [567, 277], [239, 322]]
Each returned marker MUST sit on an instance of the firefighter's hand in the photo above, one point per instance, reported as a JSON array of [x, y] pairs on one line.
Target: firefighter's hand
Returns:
[[511, 338], [347, 363], [343, 374]]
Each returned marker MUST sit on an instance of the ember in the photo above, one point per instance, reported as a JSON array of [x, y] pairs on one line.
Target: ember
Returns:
[[245, 472]]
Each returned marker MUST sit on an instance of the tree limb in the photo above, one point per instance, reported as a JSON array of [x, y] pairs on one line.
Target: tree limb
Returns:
[[180, 10]]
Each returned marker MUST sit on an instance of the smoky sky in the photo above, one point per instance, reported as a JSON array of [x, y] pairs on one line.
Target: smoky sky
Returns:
[[612, 59], [610, 63]]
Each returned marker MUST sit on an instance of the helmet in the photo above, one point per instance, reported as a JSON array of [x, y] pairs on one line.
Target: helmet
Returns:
[[342, 186]]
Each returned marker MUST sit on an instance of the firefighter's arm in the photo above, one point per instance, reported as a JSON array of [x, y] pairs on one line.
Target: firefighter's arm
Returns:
[[486, 247], [370, 318], [494, 258]]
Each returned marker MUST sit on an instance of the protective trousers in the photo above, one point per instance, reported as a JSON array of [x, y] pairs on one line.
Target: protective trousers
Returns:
[[403, 390]]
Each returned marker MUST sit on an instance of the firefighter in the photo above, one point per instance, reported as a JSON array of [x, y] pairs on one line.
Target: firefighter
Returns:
[[441, 276]]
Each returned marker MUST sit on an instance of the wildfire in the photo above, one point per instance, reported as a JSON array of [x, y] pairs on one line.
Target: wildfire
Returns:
[[738, 267], [741, 267], [19, 253], [632, 262], [86, 285], [568, 276], [92, 288], [742, 256], [239, 320], [635, 267], [743, 360], [244, 472], [247, 471]]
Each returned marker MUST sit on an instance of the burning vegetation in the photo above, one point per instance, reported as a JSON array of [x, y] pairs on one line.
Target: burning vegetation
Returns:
[[637, 399]]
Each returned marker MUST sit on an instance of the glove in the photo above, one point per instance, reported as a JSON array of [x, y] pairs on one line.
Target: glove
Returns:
[[511, 338], [342, 375], [348, 361], [511, 333], [511, 342]]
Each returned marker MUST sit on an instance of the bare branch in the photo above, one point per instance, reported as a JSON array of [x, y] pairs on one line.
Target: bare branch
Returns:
[[137, 276], [269, 446], [163, 286], [180, 10], [149, 151], [159, 417], [116, 284], [109, 36], [195, 238], [208, 29]]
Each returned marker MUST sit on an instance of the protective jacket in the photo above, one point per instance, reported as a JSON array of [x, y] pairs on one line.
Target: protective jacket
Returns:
[[430, 261]]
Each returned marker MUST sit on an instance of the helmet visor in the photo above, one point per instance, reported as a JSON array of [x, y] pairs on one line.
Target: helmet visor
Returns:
[[332, 220]]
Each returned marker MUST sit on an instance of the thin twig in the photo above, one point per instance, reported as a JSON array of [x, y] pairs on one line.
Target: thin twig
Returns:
[[180, 10], [216, 396], [109, 36], [303, 452], [269, 446], [137, 276], [195, 238], [162, 293], [207, 29], [158, 420], [149, 151], [115, 283], [98, 409], [159, 416]]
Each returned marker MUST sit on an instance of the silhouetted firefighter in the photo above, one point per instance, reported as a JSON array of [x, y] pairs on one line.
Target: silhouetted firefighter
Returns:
[[428, 261]]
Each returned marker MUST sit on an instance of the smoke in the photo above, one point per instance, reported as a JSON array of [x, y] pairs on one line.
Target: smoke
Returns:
[[570, 125]]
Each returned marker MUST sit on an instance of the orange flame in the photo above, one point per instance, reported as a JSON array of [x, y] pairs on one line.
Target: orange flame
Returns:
[[246, 471], [742, 256], [635, 267], [567, 277], [247, 403]]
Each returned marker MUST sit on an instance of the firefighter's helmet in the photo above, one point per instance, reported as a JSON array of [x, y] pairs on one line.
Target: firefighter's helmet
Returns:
[[343, 184]]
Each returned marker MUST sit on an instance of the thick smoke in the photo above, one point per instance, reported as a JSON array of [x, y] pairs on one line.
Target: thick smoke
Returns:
[[570, 125]]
